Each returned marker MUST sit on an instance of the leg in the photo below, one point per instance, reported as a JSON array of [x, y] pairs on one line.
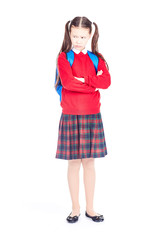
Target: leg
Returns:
[[73, 182], [89, 177]]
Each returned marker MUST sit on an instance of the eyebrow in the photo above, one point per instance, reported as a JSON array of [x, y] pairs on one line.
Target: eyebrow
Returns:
[[80, 36]]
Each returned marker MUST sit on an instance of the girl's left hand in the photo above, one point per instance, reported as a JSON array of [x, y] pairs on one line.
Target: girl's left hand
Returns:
[[80, 79]]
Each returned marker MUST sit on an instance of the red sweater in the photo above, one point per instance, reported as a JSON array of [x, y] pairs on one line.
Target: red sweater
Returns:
[[77, 97]]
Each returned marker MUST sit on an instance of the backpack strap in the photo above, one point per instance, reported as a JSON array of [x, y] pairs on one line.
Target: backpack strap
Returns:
[[94, 59], [70, 57]]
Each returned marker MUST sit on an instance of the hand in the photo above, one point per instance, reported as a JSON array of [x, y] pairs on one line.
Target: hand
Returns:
[[80, 79], [99, 72]]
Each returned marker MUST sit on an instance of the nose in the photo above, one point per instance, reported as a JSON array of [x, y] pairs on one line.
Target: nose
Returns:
[[78, 40]]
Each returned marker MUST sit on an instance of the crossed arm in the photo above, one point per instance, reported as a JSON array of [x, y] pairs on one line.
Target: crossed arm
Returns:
[[69, 82], [86, 84], [83, 80]]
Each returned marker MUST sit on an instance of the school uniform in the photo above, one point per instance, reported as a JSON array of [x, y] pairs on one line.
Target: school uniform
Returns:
[[81, 132]]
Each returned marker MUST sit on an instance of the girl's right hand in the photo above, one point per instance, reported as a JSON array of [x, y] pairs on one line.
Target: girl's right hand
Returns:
[[99, 72]]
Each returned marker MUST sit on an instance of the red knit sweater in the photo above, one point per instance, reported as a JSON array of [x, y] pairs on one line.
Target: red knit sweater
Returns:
[[78, 97]]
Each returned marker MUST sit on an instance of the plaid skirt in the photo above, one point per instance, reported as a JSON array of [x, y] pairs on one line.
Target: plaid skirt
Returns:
[[81, 136]]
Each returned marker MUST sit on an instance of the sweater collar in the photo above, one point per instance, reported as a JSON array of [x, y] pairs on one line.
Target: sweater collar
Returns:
[[78, 51]]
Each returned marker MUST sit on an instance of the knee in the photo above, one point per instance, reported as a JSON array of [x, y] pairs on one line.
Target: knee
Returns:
[[88, 163], [74, 163]]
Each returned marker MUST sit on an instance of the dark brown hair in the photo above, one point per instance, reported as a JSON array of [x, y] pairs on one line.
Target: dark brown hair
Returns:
[[67, 44]]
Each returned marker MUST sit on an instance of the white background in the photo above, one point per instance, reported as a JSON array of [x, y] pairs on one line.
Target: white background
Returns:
[[34, 191]]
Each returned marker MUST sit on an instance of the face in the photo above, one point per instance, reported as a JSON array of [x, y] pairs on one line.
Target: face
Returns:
[[79, 37]]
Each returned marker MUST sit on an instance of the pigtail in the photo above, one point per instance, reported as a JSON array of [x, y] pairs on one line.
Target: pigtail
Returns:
[[66, 47], [94, 44]]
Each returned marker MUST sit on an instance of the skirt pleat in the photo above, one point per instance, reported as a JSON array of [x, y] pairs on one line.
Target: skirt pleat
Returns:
[[81, 136]]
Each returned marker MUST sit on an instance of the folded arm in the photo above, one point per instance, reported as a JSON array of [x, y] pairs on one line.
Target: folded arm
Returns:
[[99, 81], [68, 80]]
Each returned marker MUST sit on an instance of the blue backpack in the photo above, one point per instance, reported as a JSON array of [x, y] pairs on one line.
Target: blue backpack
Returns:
[[70, 58]]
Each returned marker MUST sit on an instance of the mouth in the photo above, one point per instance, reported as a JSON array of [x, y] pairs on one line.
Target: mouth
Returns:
[[78, 46]]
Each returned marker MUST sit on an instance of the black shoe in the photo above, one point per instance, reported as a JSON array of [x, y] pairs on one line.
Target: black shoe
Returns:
[[95, 218], [72, 219]]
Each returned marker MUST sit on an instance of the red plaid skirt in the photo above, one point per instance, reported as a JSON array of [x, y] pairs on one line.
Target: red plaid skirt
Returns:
[[81, 136]]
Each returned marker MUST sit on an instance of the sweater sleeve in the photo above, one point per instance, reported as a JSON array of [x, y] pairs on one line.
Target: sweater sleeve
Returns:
[[68, 80], [101, 81]]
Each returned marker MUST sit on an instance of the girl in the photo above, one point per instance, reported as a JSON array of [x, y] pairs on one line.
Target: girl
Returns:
[[81, 136]]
